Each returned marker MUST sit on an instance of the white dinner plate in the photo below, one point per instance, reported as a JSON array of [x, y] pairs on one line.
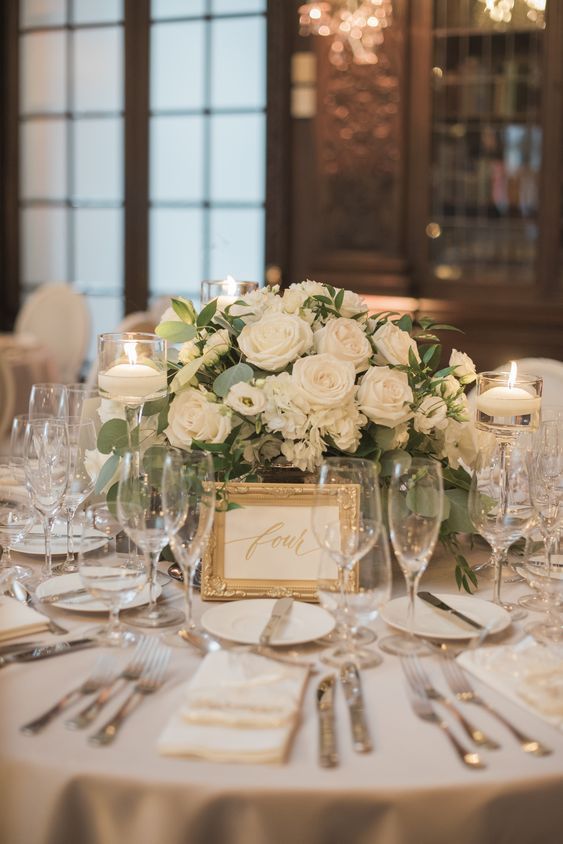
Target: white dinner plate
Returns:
[[437, 624], [34, 543], [243, 621], [84, 603]]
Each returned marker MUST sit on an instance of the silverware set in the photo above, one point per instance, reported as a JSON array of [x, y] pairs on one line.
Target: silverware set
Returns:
[[146, 669], [424, 695], [352, 686]]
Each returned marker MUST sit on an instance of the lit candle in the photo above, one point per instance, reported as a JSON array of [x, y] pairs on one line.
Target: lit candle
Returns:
[[132, 380], [509, 400], [230, 287]]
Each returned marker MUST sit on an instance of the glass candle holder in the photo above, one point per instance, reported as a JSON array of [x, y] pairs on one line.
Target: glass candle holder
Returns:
[[226, 292], [132, 367], [508, 403]]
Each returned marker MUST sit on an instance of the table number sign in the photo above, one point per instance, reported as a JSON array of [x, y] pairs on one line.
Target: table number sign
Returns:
[[266, 546]]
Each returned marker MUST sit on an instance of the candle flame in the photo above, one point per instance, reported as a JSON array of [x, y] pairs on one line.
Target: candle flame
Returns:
[[131, 352], [231, 286], [513, 374]]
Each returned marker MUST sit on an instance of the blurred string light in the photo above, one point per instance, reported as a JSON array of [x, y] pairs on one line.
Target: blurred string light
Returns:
[[500, 11], [356, 27]]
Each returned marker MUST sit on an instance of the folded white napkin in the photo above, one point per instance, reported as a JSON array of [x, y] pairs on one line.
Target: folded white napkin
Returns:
[[527, 673], [238, 707], [16, 619]]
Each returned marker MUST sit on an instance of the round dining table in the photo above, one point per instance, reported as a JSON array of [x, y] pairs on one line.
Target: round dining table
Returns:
[[56, 788]]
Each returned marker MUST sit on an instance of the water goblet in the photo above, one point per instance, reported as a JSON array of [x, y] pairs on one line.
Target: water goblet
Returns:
[[415, 514], [48, 400], [81, 480]]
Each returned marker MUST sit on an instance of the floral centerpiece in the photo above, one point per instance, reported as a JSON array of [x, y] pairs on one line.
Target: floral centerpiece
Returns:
[[303, 373]]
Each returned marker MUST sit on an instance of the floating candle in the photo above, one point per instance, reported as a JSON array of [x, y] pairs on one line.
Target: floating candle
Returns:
[[132, 380], [509, 400]]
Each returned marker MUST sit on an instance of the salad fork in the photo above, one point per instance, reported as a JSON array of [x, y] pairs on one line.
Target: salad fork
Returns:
[[463, 690], [424, 709], [150, 681]]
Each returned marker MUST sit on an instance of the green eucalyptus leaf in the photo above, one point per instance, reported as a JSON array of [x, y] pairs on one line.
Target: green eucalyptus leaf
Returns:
[[423, 500], [176, 332], [111, 499], [404, 323], [107, 472], [185, 310], [185, 375], [339, 299], [234, 375], [206, 315], [151, 408], [112, 436], [390, 459], [458, 520]]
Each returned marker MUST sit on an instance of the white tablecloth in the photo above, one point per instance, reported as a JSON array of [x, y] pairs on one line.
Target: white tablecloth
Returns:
[[57, 789]]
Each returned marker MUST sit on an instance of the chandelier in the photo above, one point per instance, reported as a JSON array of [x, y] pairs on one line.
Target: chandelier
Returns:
[[500, 11], [356, 27]]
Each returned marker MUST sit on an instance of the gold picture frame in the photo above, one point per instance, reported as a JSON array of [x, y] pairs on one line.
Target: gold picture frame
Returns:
[[254, 553]]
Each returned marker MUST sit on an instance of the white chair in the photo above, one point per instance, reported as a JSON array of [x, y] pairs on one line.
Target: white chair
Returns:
[[7, 397], [58, 317]]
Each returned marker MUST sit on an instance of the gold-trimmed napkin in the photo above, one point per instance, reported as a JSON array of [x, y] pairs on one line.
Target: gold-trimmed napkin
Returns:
[[16, 619], [238, 707]]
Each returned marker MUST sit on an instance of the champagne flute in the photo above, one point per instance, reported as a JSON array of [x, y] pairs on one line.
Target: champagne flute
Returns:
[[346, 533], [48, 400], [81, 480], [46, 466], [415, 514], [140, 511], [188, 494]]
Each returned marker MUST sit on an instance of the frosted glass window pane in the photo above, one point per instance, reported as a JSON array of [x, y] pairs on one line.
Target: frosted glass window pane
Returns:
[[176, 167], [176, 238], [98, 69], [177, 65], [98, 249], [42, 12], [177, 8], [43, 72], [237, 244], [237, 157], [238, 73], [98, 161], [106, 313], [97, 11], [44, 243], [230, 7], [43, 161]]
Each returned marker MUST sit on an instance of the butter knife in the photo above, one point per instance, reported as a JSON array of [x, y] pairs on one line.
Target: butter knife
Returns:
[[328, 753], [45, 651], [276, 622], [441, 605], [352, 685]]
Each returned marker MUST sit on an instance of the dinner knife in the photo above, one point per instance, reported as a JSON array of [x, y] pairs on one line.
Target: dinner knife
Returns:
[[441, 605], [278, 618], [328, 753], [45, 651], [352, 685], [63, 596]]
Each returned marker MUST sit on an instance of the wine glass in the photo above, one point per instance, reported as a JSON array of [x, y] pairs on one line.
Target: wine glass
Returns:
[[415, 514], [17, 440], [48, 400], [81, 480], [46, 466], [140, 511], [16, 520], [500, 505], [188, 494], [113, 572], [346, 533]]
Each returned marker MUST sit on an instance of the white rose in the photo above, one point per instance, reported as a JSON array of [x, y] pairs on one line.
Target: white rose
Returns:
[[393, 344], [352, 304], [275, 340], [430, 414], [217, 346], [189, 351], [324, 380], [464, 367], [346, 340], [245, 399], [193, 416], [384, 396], [460, 444]]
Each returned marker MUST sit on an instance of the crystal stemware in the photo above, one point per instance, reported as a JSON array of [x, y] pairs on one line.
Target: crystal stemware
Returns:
[[415, 514], [48, 400], [16, 520], [81, 479]]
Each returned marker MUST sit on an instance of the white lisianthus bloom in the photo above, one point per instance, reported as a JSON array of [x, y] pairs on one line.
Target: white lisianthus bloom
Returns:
[[189, 351], [449, 387], [194, 415], [352, 304], [245, 399], [216, 346], [345, 339], [464, 367], [324, 380], [460, 444], [431, 414], [393, 344], [384, 396], [275, 340]]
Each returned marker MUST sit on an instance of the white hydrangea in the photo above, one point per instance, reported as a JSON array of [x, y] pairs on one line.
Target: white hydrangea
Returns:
[[287, 410], [307, 454], [342, 424], [262, 301]]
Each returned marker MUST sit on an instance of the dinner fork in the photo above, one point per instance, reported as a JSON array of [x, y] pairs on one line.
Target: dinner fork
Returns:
[[478, 736], [99, 676], [150, 681], [132, 671], [423, 708], [463, 690]]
